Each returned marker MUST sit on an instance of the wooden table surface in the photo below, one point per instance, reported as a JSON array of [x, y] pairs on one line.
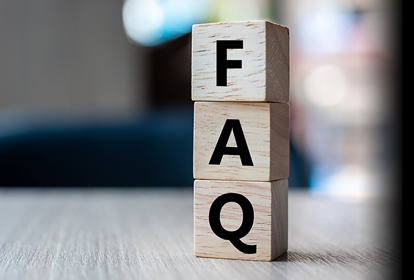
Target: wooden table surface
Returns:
[[147, 233]]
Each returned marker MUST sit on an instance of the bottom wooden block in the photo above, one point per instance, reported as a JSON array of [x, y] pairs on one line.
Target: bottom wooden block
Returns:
[[240, 219]]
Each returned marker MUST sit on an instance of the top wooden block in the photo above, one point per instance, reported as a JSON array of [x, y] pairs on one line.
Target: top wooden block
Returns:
[[240, 61]]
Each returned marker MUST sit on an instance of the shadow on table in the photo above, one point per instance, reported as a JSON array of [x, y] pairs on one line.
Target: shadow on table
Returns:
[[344, 257]]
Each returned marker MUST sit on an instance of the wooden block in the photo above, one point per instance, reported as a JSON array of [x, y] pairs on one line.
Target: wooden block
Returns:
[[261, 127], [222, 213], [260, 48]]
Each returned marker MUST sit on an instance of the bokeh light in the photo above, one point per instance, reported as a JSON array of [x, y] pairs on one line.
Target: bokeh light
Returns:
[[325, 86], [152, 22]]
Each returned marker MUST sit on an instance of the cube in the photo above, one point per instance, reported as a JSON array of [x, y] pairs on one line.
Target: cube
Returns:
[[240, 220], [241, 141], [240, 61]]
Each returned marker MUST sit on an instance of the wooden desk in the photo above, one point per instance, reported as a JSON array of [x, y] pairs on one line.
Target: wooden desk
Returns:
[[148, 233]]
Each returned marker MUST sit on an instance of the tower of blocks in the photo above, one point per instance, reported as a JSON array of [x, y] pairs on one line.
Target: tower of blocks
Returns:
[[240, 85]]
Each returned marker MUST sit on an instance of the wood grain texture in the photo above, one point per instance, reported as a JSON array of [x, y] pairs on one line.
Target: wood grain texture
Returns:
[[141, 233], [269, 230], [266, 130], [264, 76]]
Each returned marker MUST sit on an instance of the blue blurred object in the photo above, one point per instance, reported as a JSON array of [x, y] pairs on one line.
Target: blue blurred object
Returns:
[[153, 150]]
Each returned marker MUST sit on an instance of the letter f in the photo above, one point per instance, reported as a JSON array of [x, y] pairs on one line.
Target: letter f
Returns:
[[222, 63]]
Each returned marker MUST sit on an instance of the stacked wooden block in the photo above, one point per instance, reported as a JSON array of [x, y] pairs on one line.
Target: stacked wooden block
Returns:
[[240, 82]]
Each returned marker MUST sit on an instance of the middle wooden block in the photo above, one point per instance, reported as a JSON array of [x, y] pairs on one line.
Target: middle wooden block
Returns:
[[241, 141]]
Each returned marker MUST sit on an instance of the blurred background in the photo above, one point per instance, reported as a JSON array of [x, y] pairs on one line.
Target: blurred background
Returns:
[[98, 93]]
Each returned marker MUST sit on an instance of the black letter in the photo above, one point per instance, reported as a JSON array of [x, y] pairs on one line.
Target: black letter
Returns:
[[222, 63], [242, 150], [247, 223]]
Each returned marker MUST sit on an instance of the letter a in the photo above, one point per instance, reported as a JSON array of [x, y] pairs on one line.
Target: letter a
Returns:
[[221, 148]]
